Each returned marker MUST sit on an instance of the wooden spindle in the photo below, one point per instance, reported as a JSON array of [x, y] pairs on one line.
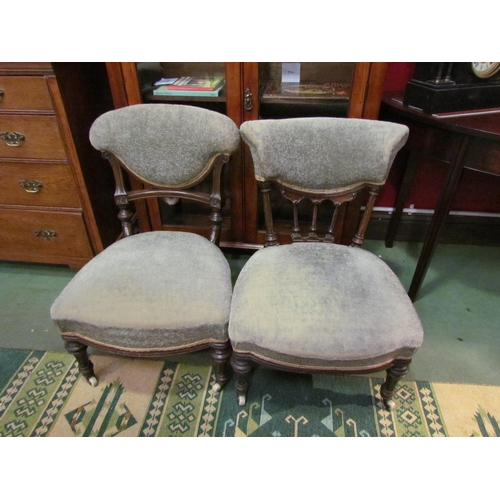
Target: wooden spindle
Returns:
[[314, 224], [329, 236]]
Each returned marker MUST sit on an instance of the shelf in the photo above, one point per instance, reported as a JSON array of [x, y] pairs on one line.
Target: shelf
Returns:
[[288, 100], [306, 93], [148, 96]]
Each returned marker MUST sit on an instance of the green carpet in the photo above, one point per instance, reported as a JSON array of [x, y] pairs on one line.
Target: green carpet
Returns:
[[42, 394]]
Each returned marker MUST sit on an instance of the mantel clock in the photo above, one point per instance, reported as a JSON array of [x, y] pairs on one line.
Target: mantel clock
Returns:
[[454, 86]]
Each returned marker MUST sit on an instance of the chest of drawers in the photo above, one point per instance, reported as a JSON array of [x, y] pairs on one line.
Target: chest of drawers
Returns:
[[56, 192]]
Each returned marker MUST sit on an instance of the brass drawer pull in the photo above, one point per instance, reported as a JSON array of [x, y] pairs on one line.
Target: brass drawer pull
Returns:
[[31, 186], [2, 93], [14, 139], [46, 234]]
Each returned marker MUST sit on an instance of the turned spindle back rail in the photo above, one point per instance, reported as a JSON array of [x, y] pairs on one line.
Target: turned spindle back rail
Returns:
[[321, 203]]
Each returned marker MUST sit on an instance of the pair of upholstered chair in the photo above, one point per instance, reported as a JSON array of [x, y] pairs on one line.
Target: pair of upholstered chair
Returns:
[[312, 305]]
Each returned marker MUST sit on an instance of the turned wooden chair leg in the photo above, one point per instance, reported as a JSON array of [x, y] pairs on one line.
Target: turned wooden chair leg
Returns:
[[242, 368], [85, 366], [394, 374], [220, 354]]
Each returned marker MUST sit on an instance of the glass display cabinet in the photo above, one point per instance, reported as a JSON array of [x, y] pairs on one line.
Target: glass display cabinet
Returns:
[[250, 91]]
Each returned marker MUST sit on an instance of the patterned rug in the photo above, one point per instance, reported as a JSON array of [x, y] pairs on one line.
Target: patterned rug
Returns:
[[42, 394]]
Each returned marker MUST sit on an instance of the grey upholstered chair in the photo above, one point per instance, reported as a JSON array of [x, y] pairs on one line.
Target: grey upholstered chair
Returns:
[[162, 292], [314, 305]]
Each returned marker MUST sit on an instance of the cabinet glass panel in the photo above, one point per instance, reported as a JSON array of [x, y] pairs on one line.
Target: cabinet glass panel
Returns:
[[320, 89], [289, 90], [153, 79], [151, 76]]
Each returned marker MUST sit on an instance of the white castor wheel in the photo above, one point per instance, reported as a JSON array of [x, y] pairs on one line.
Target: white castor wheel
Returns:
[[93, 381], [216, 387], [242, 400], [390, 405]]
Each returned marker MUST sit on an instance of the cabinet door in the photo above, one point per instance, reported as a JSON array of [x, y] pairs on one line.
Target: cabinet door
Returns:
[[344, 89], [249, 95], [134, 83]]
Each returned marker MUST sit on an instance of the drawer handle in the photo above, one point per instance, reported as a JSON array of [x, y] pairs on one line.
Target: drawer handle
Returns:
[[2, 93], [46, 234], [31, 186], [14, 139], [248, 105]]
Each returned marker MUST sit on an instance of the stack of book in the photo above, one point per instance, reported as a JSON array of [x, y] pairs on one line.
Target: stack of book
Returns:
[[192, 86]]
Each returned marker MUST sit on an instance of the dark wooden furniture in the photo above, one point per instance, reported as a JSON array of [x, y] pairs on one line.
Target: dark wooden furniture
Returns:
[[51, 180], [243, 99], [459, 141]]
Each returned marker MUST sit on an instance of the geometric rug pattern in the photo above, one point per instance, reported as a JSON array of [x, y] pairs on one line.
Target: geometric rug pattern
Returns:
[[42, 394]]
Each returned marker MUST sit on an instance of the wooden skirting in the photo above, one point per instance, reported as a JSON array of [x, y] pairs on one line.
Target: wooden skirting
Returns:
[[458, 229]]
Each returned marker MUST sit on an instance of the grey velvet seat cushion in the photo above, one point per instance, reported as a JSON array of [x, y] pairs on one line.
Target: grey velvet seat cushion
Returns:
[[323, 306], [155, 290]]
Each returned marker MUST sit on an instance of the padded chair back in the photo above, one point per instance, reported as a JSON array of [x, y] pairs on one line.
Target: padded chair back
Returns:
[[171, 148], [323, 154], [163, 144], [319, 159]]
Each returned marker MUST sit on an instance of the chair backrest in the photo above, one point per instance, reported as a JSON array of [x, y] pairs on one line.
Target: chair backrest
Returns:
[[171, 149], [319, 159]]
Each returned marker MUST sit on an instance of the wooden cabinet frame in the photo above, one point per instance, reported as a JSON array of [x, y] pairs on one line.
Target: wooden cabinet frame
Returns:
[[242, 89]]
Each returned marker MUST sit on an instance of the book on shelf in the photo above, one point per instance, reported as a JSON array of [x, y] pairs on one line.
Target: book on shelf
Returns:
[[166, 81], [164, 90], [197, 84], [329, 90]]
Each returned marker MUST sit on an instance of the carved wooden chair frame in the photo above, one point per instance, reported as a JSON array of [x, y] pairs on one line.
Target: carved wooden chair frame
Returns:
[[296, 196], [242, 363], [220, 352], [214, 199]]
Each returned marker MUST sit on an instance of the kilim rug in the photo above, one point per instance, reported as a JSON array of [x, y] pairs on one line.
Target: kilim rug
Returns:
[[42, 394]]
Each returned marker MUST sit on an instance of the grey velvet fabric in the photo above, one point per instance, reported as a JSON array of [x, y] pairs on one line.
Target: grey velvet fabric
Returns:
[[155, 290], [166, 145], [323, 306], [323, 153]]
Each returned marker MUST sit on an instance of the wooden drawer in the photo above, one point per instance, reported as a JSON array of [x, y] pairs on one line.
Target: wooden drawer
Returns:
[[42, 138], [57, 187], [19, 230], [25, 67], [25, 93]]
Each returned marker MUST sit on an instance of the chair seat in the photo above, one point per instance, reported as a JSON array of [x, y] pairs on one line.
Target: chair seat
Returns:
[[153, 291], [322, 306]]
